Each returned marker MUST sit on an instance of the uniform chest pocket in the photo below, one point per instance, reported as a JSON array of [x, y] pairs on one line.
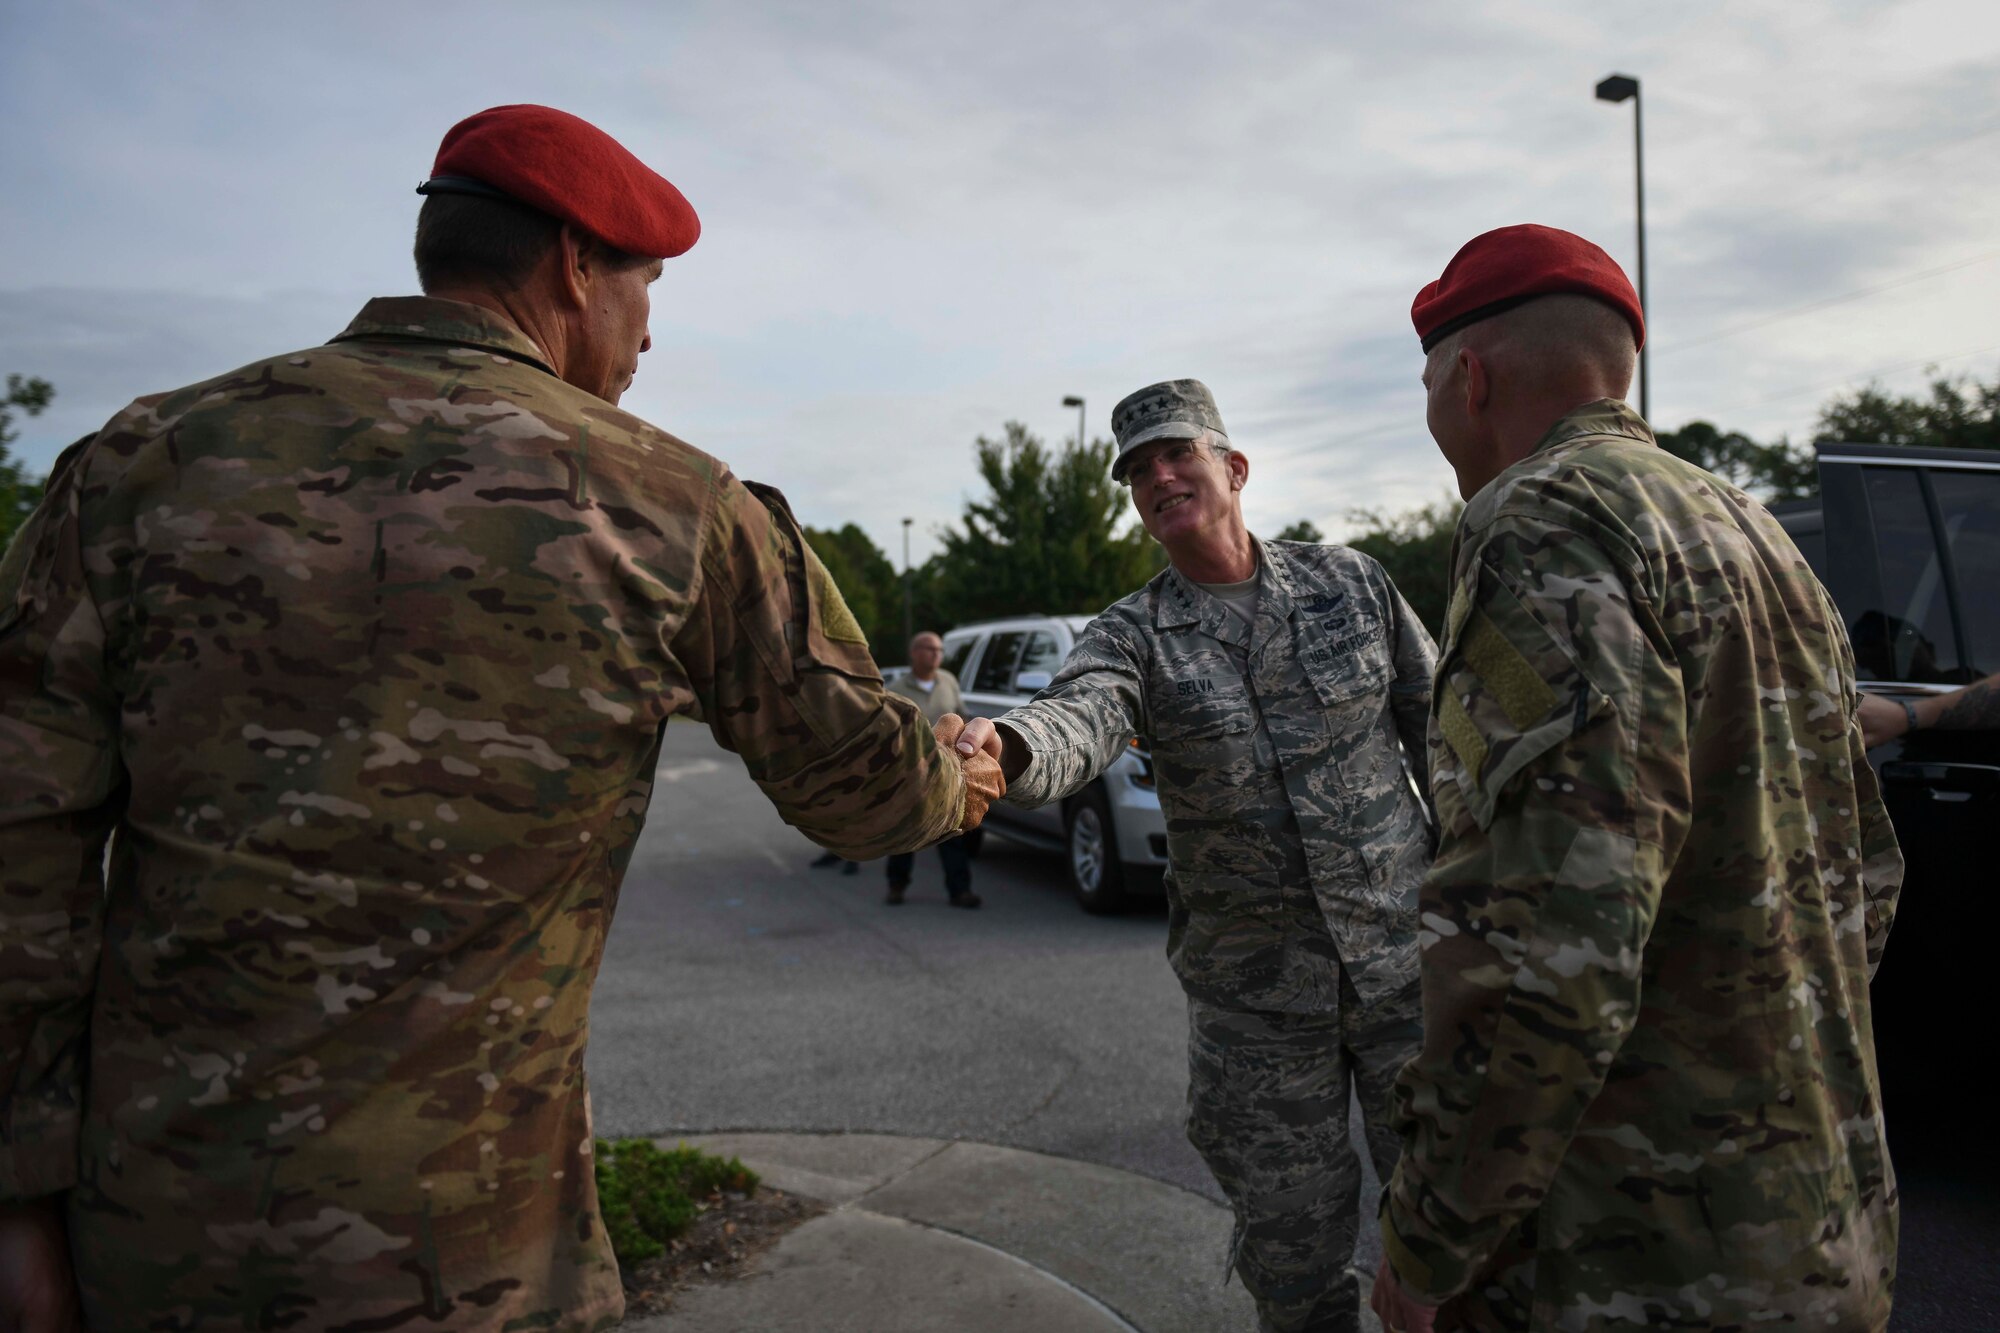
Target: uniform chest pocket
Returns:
[[1348, 666], [1202, 718], [1199, 696], [1180, 728], [1205, 756]]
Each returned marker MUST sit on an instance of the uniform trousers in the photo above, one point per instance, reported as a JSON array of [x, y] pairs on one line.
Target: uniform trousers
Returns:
[[957, 866], [1267, 1111]]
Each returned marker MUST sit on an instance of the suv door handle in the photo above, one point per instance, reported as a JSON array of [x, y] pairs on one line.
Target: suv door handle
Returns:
[[1946, 781]]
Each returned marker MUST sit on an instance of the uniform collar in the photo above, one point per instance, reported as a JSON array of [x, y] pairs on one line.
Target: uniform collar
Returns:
[[1594, 420], [428, 319], [1183, 602], [1606, 416]]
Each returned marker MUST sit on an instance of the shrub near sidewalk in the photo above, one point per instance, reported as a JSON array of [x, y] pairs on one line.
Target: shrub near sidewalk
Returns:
[[648, 1197]]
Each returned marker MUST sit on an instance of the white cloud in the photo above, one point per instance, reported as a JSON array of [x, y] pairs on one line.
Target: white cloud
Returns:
[[919, 223]]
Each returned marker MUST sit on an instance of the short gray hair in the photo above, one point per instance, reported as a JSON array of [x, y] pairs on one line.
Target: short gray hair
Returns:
[[1548, 338]]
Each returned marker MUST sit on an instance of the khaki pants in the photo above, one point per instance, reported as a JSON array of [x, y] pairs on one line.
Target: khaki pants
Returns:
[[1267, 1110]]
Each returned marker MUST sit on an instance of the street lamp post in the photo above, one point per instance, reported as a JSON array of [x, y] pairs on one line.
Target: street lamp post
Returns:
[[1617, 88], [909, 628], [1073, 401]]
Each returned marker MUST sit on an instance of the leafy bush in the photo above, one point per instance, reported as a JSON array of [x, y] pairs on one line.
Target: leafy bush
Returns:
[[647, 1196]]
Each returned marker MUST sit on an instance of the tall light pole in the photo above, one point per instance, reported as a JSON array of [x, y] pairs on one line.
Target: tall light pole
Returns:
[[1617, 88], [1073, 401], [909, 628]]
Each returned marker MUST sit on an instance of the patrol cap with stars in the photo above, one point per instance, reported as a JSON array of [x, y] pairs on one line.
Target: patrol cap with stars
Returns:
[[568, 168], [1169, 410], [1494, 272]]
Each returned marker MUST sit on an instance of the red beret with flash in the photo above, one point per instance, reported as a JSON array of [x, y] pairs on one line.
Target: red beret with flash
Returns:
[[1501, 269], [569, 169]]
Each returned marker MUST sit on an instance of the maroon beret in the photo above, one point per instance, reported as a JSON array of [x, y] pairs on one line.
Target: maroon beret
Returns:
[[1505, 268], [569, 169]]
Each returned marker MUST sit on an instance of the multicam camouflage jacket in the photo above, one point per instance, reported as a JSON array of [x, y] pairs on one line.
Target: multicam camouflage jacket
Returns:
[[1295, 841], [358, 659], [1647, 1092]]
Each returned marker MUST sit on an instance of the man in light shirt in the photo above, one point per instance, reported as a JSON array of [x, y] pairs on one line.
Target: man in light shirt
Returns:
[[935, 691]]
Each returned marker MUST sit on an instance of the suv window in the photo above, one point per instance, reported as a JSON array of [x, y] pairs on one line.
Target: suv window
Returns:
[[957, 650], [1808, 533], [1042, 654], [1969, 504], [996, 668], [1908, 636]]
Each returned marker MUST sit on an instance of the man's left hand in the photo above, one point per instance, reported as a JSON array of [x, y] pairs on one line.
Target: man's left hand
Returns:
[[1396, 1308]]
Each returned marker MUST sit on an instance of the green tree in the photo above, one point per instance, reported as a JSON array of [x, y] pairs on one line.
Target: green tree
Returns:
[[1773, 471], [1954, 414], [1415, 549], [18, 492], [1301, 531], [1054, 534]]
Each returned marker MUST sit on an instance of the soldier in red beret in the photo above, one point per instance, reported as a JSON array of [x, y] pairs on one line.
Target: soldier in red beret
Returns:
[[359, 657], [1647, 1091]]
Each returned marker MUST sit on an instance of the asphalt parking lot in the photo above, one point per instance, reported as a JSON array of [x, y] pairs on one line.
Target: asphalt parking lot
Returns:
[[743, 990]]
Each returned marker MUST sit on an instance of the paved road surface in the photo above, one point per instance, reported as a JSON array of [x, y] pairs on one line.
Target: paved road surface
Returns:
[[744, 991]]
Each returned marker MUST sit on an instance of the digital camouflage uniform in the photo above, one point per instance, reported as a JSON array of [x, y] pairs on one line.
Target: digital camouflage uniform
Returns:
[[1295, 845], [1647, 1094], [359, 658]]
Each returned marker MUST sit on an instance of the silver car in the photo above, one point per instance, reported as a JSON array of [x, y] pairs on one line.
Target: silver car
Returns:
[[1111, 833]]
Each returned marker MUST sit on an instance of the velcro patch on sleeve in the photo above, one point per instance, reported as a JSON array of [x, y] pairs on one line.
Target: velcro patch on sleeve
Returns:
[[1511, 678], [1508, 692], [836, 622], [1456, 726]]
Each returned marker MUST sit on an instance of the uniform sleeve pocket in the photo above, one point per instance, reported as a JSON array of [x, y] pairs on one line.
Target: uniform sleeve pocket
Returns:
[[826, 634], [1508, 692]]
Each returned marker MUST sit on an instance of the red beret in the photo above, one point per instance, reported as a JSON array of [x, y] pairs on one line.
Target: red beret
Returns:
[[1502, 269], [569, 169]]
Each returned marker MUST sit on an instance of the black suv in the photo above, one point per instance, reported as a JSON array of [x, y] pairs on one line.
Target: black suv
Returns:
[[1908, 543]]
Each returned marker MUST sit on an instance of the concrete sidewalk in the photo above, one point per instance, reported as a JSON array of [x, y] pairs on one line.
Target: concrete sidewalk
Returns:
[[930, 1234]]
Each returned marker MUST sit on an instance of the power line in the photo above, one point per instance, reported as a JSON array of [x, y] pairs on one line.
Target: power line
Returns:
[[1903, 164], [1812, 203], [1861, 375], [1821, 304]]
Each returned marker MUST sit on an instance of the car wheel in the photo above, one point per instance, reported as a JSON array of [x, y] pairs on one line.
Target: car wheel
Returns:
[[1096, 875]]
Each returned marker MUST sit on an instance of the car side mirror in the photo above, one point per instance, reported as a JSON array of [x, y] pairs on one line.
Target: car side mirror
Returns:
[[1030, 681]]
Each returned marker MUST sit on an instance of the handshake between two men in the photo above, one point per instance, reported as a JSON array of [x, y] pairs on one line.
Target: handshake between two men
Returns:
[[977, 746]]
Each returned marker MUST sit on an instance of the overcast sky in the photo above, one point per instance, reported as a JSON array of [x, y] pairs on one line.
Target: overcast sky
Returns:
[[922, 220]]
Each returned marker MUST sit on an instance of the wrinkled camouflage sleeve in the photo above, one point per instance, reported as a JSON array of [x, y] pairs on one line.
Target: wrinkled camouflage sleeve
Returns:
[[783, 676], [1083, 721], [60, 786], [1410, 692], [1881, 858], [1557, 824], [1881, 854]]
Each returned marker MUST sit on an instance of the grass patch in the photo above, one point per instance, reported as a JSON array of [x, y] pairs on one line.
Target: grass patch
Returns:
[[648, 1196]]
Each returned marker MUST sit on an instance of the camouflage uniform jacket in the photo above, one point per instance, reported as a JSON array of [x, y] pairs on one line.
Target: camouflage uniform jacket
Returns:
[[1647, 1092], [1295, 846], [358, 659]]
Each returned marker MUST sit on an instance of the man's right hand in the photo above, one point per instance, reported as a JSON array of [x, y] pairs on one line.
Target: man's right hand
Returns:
[[981, 761], [1882, 720], [1004, 745]]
